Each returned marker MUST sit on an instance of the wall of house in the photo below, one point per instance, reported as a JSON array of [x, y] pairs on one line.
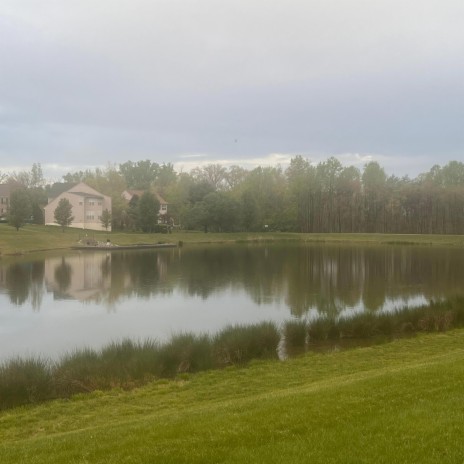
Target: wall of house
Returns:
[[87, 207]]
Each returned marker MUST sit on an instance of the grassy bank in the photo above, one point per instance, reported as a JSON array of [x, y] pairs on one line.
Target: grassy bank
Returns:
[[36, 238], [398, 402]]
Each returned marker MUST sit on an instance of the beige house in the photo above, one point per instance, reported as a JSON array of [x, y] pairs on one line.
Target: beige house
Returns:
[[5, 193], [87, 207], [163, 211]]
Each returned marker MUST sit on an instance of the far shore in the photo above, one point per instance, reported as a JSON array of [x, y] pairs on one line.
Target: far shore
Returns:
[[35, 238]]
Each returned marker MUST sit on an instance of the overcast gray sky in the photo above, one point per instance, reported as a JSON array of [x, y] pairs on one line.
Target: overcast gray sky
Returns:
[[84, 83]]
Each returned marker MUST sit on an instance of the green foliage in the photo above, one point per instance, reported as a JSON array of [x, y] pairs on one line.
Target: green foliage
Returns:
[[185, 353], [141, 174], [106, 219], [20, 208], [295, 334], [147, 212], [240, 344], [24, 381], [63, 213]]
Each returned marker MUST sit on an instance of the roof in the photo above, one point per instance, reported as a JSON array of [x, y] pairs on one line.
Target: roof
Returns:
[[139, 193], [60, 187], [86, 195]]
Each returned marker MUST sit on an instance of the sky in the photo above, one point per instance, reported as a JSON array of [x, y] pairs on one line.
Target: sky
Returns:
[[93, 83]]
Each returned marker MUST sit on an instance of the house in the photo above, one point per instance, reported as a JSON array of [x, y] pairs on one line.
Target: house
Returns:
[[5, 193], [87, 207], [163, 211]]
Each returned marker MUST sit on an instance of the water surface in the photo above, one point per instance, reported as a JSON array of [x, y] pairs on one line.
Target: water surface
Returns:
[[61, 302]]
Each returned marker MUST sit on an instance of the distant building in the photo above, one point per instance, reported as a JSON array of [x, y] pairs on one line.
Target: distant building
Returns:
[[5, 194], [163, 211], [87, 207]]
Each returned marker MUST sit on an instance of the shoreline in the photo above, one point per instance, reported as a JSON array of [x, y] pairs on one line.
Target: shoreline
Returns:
[[35, 239]]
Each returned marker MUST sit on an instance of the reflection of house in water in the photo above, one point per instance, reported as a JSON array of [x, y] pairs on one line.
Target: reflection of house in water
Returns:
[[84, 276], [89, 276]]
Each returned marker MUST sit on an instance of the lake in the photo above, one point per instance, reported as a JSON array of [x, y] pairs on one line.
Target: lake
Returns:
[[54, 304]]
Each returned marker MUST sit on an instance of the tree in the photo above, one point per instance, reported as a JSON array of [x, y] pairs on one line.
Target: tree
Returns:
[[222, 212], [36, 178], [106, 219], [148, 209], [20, 208], [213, 174], [63, 213], [374, 190], [139, 175], [166, 177]]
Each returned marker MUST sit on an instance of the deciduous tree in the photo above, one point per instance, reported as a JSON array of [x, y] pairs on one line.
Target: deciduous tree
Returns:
[[20, 208], [63, 213]]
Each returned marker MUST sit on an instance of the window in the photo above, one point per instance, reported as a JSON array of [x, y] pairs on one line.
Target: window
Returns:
[[164, 207]]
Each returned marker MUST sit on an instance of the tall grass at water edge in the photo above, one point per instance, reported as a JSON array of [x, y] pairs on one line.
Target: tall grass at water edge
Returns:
[[127, 364]]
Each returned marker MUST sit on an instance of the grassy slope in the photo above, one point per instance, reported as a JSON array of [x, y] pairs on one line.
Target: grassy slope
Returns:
[[33, 238], [400, 402]]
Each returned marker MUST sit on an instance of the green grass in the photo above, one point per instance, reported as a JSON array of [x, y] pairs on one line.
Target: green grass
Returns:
[[399, 402], [38, 238]]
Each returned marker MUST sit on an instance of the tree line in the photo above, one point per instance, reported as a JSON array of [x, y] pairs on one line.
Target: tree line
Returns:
[[304, 197]]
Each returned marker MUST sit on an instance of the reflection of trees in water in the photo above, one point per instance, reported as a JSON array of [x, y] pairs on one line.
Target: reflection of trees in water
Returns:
[[329, 278], [23, 281], [63, 274], [37, 284], [17, 281]]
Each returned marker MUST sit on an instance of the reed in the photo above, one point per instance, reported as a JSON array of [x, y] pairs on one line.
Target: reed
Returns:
[[77, 372], [239, 344], [295, 334], [24, 381], [185, 352]]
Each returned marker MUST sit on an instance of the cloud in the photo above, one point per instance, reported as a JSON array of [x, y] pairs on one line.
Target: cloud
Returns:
[[99, 82]]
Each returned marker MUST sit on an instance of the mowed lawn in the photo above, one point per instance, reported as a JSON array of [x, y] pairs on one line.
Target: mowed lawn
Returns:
[[33, 238], [401, 402]]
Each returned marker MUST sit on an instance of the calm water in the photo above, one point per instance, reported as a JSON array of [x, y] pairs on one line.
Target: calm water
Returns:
[[49, 306]]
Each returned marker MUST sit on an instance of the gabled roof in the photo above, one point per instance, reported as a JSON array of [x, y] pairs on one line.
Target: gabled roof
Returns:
[[139, 193], [86, 195], [60, 187]]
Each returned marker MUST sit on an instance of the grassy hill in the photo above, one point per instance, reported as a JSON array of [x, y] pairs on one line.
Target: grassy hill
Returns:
[[43, 238], [399, 402]]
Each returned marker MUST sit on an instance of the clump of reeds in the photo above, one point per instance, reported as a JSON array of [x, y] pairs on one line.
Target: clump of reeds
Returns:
[[295, 334], [24, 381], [323, 329], [239, 344], [185, 353]]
